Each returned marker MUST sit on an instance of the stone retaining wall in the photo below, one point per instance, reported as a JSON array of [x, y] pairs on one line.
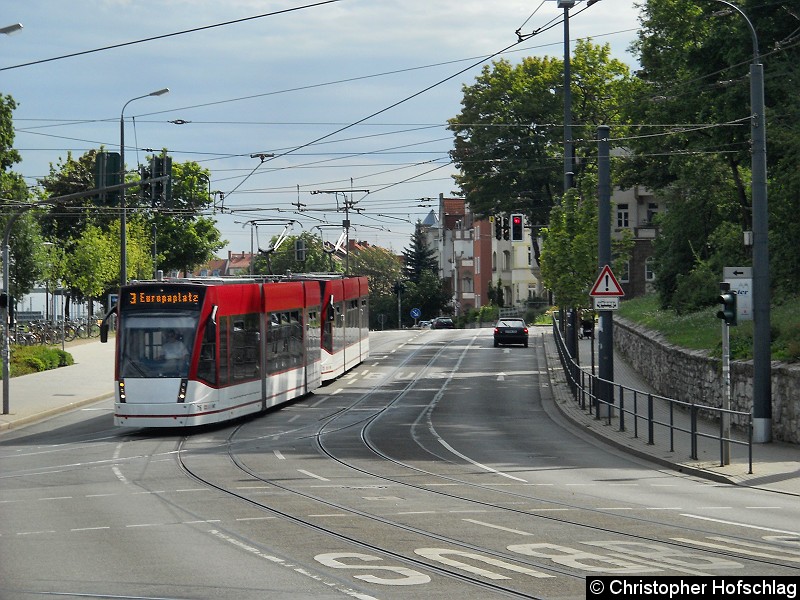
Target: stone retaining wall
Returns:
[[691, 376]]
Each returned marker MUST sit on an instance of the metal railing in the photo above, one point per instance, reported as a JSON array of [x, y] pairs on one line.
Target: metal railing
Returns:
[[605, 398]]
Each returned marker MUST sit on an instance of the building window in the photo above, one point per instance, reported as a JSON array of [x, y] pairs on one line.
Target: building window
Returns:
[[649, 274], [494, 261], [506, 260], [466, 286], [652, 211], [622, 215], [625, 275]]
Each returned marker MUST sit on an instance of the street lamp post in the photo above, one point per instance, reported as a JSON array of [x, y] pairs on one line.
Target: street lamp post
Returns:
[[762, 354], [9, 29], [123, 243], [568, 144]]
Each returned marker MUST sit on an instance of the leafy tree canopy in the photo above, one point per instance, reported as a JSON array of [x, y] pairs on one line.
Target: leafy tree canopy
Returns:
[[508, 142], [690, 135]]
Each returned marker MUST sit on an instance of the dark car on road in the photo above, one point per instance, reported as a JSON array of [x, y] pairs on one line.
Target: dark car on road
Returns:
[[510, 331], [442, 323]]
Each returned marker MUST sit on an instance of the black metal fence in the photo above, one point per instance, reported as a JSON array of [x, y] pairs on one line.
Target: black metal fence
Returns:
[[647, 411]]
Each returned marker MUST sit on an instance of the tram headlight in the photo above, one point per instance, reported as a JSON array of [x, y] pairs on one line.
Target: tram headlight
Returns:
[[121, 387], [182, 391]]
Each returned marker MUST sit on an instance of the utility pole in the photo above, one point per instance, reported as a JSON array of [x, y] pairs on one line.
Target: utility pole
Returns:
[[348, 205], [606, 329]]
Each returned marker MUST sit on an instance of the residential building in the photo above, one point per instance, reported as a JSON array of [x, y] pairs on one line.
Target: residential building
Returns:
[[635, 210], [472, 258]]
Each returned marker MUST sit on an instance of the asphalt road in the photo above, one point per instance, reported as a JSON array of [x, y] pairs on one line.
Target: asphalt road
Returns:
[[439, 468]]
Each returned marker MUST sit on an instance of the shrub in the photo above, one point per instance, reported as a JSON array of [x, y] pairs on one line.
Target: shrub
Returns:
[[34, 359]]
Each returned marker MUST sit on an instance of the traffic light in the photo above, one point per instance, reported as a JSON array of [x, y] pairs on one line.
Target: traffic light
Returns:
[[161, 166], [516, 228], [505, 228], [728, 300], [300, 250], [106, 173], [498, 228], [145, 187]]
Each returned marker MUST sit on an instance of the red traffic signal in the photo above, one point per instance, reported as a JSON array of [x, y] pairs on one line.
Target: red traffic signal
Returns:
[[516, 228]]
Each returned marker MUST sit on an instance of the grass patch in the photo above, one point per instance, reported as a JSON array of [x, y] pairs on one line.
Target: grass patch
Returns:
[[702, 330]]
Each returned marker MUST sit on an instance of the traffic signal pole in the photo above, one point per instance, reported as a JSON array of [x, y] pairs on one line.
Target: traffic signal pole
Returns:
[[726, 393], [728, 314]]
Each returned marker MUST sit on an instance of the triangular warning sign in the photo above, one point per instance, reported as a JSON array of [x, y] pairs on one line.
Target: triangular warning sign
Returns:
[[606, 284]]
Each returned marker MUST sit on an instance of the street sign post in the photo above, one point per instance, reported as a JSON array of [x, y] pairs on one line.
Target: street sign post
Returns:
[[606, 285], [606, 291]]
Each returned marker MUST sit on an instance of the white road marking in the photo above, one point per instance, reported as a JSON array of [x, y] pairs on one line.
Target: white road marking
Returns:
[[115, 468], [477, 464], [312, 475], [509, 530], [736, 524]]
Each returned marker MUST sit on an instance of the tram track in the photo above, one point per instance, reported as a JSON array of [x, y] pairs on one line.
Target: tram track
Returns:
[[350, 539], [329, 426], [425, 415]]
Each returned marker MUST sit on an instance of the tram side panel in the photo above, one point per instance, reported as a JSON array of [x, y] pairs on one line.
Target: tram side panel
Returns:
[[287, 351], [364, 316], [313, 335]]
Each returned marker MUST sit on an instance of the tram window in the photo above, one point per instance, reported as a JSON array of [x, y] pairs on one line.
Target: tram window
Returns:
[[284, 341], [143, 339], [245, 347], [313, 332], [224, 353]]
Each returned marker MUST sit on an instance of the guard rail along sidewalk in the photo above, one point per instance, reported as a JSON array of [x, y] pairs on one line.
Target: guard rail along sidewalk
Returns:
[[699, 422]]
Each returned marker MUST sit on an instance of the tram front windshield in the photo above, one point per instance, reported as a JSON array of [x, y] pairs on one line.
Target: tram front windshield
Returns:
[[156, 344]]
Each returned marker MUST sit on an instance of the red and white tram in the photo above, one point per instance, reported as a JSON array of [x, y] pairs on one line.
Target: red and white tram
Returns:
[[198, 351]]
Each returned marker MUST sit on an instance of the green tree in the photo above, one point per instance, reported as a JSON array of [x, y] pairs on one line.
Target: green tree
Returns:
[[25, 250], [693, 142], [569, 250], [382, 269], [92, 265], [12, 186], [428, 294], [509, 153], [284, 259], [419, 257], [380, 266], [24, 236], [184, 238]]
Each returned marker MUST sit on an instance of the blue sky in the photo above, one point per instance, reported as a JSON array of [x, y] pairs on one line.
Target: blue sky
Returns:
[[292, 84]]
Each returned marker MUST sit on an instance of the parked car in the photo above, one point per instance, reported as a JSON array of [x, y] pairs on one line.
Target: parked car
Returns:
[[442, 323], [510, 331]]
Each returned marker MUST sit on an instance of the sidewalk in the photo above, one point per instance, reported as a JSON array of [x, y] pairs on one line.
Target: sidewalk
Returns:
[[40, 395], [776, 465]]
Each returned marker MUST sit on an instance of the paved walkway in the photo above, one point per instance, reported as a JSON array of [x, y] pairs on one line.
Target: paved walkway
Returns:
[[40, 395], [776, 466]]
